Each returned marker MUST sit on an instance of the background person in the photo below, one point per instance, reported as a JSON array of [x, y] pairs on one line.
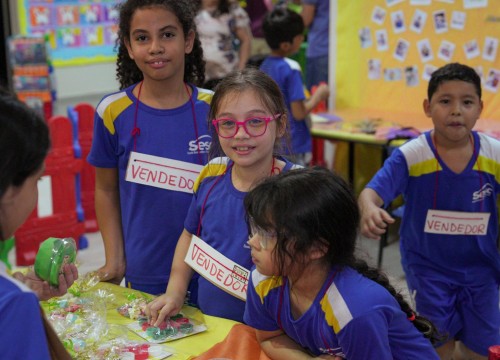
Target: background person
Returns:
[[24, 144]]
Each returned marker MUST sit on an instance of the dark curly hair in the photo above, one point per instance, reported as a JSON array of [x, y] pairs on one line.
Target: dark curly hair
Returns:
[[127, 72], [308, 206]]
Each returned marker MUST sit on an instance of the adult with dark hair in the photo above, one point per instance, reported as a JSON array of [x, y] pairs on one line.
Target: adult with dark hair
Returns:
[[159, 117], [24, 144], [309, 296], [449, 180]]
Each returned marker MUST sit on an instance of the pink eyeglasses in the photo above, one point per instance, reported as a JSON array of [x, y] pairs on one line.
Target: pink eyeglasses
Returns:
[[254, 126]]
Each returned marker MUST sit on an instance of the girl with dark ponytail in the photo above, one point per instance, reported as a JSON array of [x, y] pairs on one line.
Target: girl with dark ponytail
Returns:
[[308, 292]]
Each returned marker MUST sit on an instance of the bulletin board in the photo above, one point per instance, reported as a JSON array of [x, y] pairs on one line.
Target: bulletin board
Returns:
[[78, 31], [387, 50]]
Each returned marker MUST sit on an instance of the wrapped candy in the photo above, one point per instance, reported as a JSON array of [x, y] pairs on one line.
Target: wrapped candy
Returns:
[[173, 328], [52, 255], [80, 322]]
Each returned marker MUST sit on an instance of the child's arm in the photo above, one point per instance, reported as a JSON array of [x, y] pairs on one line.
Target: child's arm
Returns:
[[171, 302], [277, 345], [245, 36], [374, 219], [107, 206], [300, 109]]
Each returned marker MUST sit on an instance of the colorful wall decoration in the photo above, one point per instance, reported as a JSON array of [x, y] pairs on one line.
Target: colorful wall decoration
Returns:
[[387, 50], [79, 31]]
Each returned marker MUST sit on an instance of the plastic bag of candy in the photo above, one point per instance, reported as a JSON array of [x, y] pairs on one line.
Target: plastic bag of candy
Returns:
[[121, 349], [173, 328], [78, 321]]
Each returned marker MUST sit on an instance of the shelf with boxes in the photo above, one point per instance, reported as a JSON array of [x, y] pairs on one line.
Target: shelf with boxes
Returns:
[[32, 73]]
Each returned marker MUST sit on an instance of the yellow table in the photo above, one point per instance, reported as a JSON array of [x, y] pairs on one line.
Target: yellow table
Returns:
[[349, 130], [185, 348]]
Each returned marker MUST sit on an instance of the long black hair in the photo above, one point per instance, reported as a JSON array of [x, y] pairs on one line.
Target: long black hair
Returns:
[[308, 206], [127, 72]]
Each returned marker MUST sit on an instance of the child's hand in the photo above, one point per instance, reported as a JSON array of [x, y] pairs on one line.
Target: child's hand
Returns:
[[374, 221], [323, 91], [108, 274], [42, 288], [162, 307]]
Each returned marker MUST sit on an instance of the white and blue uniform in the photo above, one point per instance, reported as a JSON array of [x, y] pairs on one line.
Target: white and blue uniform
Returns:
[[467, 266], [288, 75], [23, 335], [352, 317], [224, 228], [152, 218]]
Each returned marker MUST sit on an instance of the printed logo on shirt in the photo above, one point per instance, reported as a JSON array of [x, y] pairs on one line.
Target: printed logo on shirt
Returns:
[[203, 143], [332, 351], [484, 192]]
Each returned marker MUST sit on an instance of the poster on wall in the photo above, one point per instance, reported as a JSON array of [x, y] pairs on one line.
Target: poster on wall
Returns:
[[78, 31], [402, 42]]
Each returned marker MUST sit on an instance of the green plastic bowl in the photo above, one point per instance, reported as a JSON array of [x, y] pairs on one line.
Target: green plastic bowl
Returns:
[[52, 255]]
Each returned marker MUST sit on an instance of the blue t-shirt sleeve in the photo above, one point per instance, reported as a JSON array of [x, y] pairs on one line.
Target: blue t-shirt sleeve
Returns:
[[295, 86], [392, 179], [103, 151], [23, 335], [193, 216], [256, 313]]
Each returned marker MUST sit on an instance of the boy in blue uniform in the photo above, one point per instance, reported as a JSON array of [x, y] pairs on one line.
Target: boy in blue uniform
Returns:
[[449, 181], [283, 30]]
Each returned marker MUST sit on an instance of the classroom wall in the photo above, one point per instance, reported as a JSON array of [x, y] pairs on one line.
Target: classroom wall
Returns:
[[85, 80], [79, 81], [418, 36]]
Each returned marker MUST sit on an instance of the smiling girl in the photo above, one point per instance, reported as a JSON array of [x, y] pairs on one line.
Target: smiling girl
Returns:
[[248, 118], [155, 124]]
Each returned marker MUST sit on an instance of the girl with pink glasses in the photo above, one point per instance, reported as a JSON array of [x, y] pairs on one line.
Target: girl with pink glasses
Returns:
[[249, 124]]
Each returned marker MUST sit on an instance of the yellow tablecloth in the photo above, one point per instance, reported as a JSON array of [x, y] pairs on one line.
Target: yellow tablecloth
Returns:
[[185, 348]]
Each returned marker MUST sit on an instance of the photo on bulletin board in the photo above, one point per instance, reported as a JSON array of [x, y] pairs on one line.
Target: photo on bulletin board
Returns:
[[78, 31]]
